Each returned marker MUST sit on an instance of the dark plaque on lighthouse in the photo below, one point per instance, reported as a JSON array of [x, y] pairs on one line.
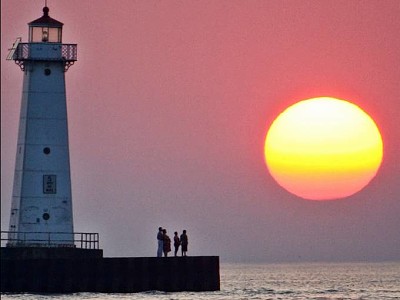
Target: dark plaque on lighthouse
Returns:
[[49, 184]]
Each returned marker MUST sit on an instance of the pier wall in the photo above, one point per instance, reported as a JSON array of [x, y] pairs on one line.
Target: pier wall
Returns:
[[110, 275], [48, 253]]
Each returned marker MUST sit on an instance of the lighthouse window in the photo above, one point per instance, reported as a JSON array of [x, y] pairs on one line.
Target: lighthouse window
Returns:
[[55, 35], [46, 216], [46, 150], [47, 72], [36, 34], [45, 34]]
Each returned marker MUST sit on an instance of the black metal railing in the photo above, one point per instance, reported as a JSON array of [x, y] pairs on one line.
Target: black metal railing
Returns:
[[84, 240], [23, 52]]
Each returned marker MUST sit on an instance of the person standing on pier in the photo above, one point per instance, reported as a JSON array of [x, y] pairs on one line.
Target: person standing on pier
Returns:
[[166, 243], [177, 242], [184, 243], [160, 240]]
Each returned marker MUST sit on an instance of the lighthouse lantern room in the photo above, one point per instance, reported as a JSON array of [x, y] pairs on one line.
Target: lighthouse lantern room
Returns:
[[45, 29]]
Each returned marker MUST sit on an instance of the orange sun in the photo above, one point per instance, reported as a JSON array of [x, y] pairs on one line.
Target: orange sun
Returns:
[[323, 149]]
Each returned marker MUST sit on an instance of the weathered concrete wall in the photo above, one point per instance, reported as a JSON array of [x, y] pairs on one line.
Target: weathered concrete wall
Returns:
[[110, 275]]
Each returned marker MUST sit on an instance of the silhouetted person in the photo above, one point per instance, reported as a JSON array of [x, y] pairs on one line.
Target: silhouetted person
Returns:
[[177, 242], [166, 243], [160, 241], [184, 243]]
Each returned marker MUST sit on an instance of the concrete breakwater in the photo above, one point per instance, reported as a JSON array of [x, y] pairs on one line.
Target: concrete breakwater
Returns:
[[109, 275]]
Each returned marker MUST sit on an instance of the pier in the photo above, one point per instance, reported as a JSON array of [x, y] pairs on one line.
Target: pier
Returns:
[[74, 269]]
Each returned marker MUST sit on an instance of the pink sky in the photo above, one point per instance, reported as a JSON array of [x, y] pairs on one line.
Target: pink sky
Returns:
[[169, 103]]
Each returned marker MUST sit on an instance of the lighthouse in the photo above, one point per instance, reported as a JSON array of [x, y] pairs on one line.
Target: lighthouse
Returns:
[[41, 209]]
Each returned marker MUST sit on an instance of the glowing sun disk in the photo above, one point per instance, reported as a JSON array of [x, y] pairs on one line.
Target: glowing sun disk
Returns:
[[323, 148]]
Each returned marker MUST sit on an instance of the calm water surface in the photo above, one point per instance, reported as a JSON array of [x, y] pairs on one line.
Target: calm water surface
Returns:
[[318, 281]]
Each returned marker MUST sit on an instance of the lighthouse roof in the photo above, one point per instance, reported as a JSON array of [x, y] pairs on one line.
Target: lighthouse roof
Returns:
[[46, 20]]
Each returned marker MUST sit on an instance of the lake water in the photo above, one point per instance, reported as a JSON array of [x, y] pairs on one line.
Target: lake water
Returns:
[[318, 281]]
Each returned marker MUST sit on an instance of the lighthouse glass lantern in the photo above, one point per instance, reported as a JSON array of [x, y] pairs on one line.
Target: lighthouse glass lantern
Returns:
[[45, 29]]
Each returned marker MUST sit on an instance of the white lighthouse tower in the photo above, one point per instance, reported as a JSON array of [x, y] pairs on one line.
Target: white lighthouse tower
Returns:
[[41, 211]]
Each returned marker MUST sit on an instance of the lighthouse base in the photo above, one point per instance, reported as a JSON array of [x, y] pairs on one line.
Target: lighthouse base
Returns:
[[109, 275], [48, 253]]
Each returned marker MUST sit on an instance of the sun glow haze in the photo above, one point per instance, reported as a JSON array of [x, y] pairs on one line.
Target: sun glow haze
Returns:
[[323, 149]]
